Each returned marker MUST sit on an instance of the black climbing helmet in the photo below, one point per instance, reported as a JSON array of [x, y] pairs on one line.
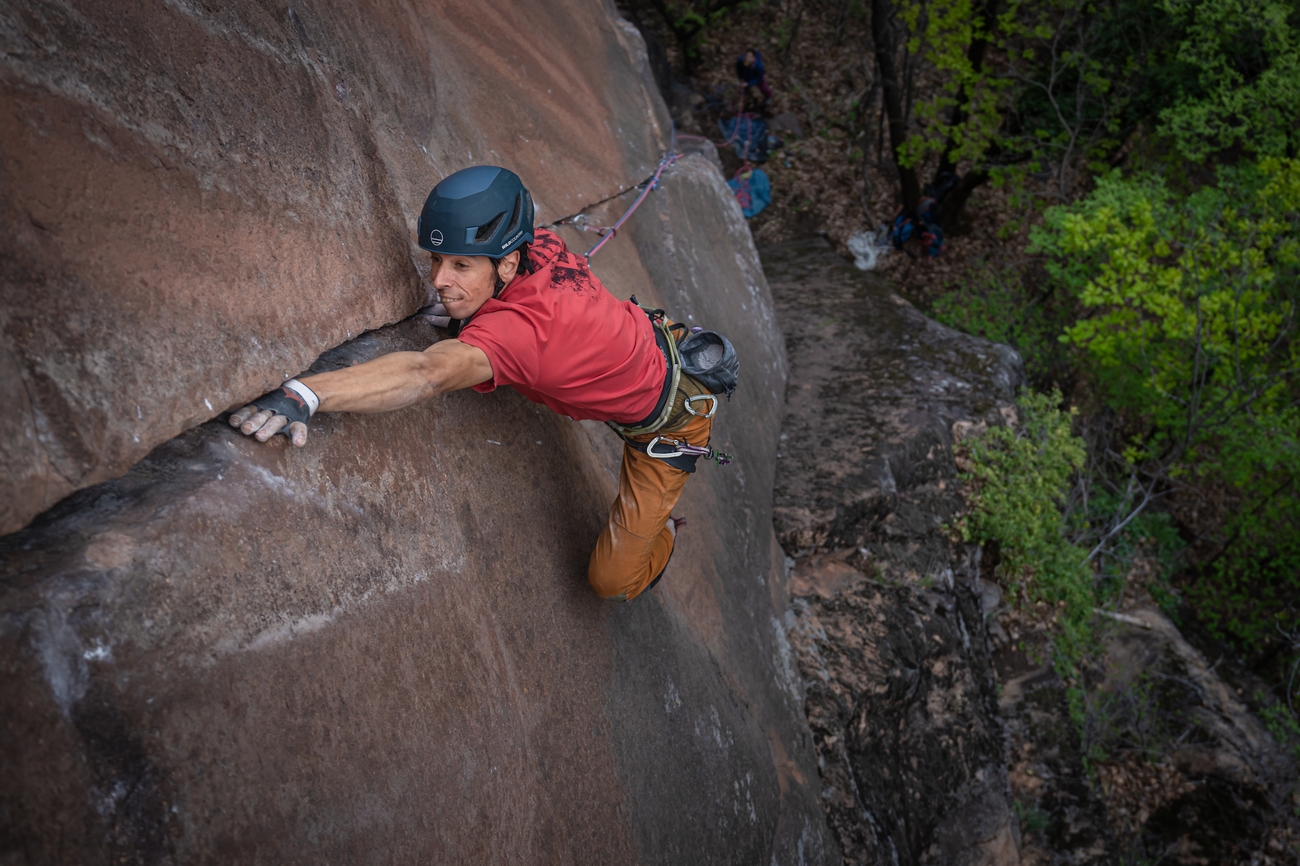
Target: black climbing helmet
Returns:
[[478, 211]]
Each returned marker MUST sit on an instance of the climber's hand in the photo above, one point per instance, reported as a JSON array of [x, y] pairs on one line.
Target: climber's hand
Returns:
[[435, 315], [284, 410]]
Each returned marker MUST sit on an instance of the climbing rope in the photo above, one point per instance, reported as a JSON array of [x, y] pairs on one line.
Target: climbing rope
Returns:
[[746, 116], [668, 160], [607, 232]]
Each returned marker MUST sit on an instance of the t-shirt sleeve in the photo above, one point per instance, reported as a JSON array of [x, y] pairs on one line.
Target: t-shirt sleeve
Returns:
[[511, 345]]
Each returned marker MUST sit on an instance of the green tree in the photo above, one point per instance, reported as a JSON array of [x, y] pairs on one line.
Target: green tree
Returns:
[[1188, 329], [1241, 81]]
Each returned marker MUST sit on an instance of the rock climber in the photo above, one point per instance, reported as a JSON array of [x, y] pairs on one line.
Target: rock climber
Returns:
[[750, 71], [529, 314]]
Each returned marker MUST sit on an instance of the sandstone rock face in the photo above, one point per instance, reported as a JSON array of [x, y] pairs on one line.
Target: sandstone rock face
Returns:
[[200, 198], [379, 648], [887, 620]]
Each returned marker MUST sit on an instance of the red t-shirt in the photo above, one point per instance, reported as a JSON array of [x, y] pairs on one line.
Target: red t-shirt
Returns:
[[559, 337]]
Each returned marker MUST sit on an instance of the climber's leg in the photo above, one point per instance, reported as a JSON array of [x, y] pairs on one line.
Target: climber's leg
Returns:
[[636, 543]]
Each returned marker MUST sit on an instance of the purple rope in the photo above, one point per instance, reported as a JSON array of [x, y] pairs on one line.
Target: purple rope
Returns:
[[654, 182]]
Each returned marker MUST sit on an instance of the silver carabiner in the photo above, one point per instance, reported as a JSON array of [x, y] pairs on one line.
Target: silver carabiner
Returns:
[[712, 409], [650, 451]]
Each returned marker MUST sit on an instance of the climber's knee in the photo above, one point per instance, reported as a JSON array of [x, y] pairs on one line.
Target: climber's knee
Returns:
[[606, 579], [624, 564]]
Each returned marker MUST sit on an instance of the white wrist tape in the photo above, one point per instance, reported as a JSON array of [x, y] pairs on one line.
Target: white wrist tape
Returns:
[[307, 394]]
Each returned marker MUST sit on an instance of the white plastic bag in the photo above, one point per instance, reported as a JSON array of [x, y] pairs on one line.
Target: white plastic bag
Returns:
[[867, 249]]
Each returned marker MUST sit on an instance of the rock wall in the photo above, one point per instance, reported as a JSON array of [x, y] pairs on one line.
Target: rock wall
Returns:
[[380, 648], [238, 183], [888, 618]]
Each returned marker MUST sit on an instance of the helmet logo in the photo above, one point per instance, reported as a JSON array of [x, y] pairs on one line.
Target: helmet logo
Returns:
[[435, 238]]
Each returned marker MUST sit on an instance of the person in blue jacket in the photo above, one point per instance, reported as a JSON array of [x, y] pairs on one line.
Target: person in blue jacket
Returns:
[[750, 71]]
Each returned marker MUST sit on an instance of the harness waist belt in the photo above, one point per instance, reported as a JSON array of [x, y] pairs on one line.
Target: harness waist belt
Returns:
[[667, 389]]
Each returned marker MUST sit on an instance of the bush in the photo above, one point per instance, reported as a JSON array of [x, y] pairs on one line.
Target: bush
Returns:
[[1017, 477]]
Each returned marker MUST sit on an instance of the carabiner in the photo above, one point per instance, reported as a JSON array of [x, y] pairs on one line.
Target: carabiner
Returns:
[[650, 450], [712, 409]]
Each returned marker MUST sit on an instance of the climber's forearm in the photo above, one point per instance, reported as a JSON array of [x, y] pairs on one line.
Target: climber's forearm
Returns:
[[401, 379], [382, 385]]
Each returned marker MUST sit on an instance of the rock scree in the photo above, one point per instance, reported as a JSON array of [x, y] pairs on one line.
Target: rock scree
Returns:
[[381, 647]]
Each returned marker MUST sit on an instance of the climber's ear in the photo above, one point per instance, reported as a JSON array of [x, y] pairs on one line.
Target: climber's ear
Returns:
[[508, 266]]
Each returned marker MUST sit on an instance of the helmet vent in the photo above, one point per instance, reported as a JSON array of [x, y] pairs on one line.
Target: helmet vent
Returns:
[[488, 229], [514, 217]]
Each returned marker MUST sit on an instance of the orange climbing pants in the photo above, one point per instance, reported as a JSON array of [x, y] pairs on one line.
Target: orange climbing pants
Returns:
[[635, 545]]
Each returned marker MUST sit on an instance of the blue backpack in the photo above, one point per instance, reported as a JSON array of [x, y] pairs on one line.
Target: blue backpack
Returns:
[[924, 223], [753, 191]]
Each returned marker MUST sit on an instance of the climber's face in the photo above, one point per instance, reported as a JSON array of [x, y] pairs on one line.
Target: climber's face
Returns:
[[466, 283], [749, 58]]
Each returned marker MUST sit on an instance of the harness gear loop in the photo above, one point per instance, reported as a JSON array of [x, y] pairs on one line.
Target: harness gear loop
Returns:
[[713, 408]]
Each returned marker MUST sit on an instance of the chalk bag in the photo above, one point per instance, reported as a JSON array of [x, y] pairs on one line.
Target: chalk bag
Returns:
[[710, 359]]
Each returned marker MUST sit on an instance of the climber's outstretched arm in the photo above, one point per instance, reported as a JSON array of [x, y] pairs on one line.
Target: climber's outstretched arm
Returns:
[[390, 382]]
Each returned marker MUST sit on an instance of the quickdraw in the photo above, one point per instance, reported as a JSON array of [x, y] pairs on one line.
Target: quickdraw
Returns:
[[650, 186], [685, 449]]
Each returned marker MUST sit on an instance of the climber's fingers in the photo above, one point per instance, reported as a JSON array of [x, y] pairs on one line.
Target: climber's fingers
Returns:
[[254, 423], [298, 433], [238, 417], [435, 315], [269, 428], [263, 424]]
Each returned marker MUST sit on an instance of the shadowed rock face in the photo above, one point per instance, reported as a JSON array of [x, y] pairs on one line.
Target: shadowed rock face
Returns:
[[887, 621], [379, 648]]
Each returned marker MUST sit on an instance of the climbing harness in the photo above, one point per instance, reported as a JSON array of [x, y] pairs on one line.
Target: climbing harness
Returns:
[[718, 370], [668, 345]]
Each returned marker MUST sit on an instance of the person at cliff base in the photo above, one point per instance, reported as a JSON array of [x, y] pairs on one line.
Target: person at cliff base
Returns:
[[529, 314], [751, 72]]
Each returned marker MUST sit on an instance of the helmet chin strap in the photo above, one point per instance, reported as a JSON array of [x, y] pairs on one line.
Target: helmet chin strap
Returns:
[[500, 285]]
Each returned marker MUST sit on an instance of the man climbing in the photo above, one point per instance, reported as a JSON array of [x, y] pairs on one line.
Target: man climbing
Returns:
[[528, 313], [750, 71]]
